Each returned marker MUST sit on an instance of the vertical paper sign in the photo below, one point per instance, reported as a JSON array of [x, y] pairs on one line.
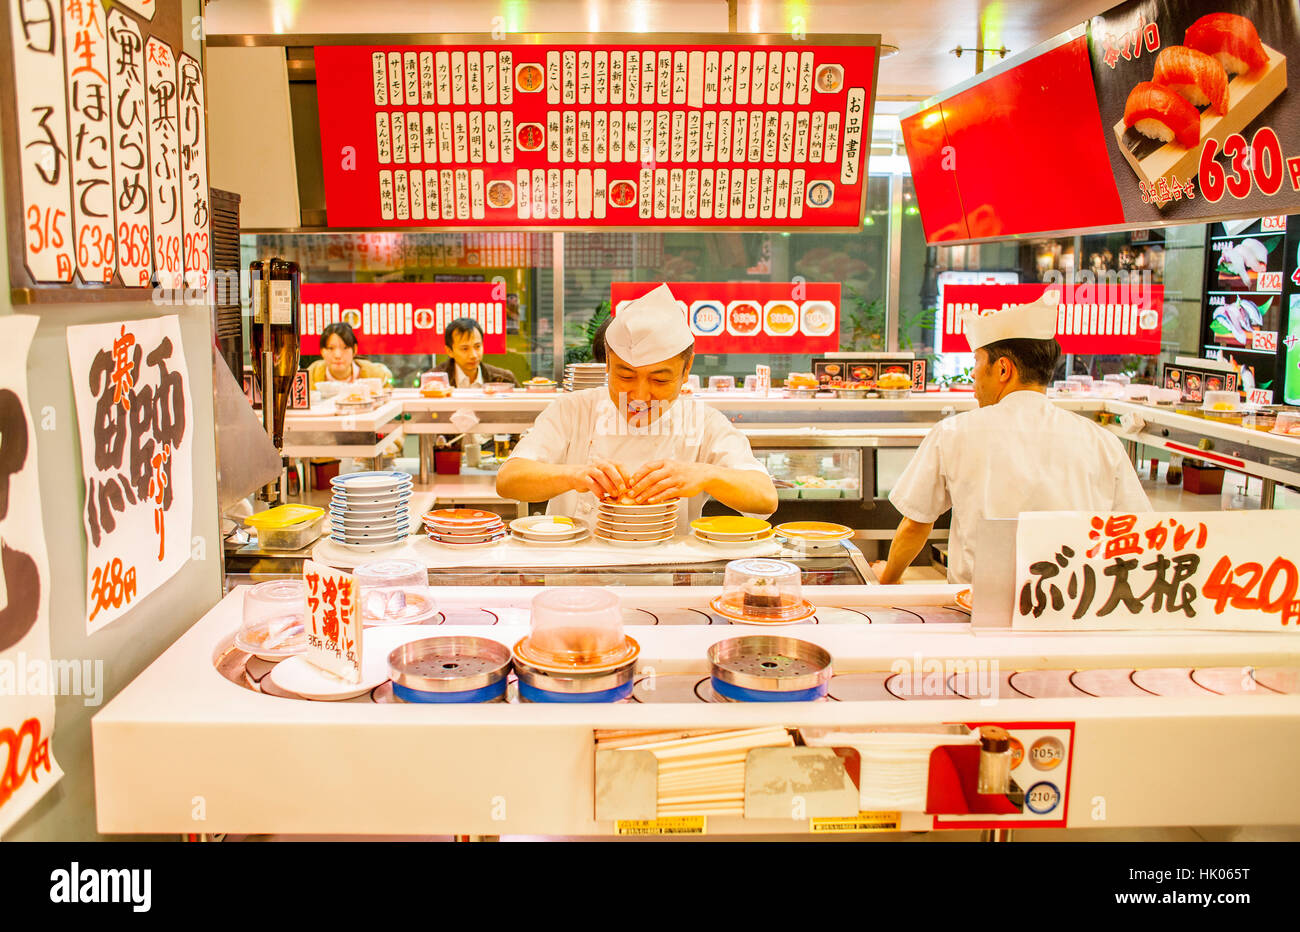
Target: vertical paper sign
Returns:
[[27, 765], [132, 389], [42, 128], [333, 622], [90, 154], [196, 216], [131, 185], [164, 160], [1184, 571]]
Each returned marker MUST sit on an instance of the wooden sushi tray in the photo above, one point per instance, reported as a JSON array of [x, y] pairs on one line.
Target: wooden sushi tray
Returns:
[[1247, 99]]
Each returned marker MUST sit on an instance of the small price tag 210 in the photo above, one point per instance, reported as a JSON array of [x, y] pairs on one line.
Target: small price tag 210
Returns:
[[333, 622]]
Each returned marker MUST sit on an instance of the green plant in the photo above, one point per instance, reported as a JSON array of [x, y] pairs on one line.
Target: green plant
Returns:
[[583, 351]]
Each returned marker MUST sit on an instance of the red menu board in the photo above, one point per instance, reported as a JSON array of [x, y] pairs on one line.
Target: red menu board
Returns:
[[752, 317], [1091, 319], [403, 317], [630, 132]]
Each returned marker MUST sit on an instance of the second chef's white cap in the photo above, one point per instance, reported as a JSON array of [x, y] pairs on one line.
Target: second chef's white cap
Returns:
[[650, 329], [1036, 321]]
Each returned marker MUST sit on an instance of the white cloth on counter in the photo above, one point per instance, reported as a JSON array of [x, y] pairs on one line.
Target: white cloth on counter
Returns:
[[1022, 454], [580, 427]]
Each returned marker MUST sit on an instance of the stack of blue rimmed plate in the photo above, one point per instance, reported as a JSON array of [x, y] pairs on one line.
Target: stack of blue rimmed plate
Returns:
[[369, 508]]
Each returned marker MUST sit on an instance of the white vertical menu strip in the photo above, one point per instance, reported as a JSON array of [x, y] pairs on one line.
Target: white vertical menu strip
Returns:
[[386, 194], [712, 66], [585, 77], [695, 82], [805, 78], [771, 135], [417, 194], [570, 136], [584, 194], [474, 78], [616, 77], [647, 136], [442, 77], [679, 136], [600, 136], [728, 74], [633, 78], [476, 136], [663, 135], [786, 153], [832, 147], [790, 80], [736, 206], [648, 78], [411, 75], [460, 135], [855, 118], [553, 194], [194, 181], [599, 195], [782, 193], [796, 194], [570, 77], [600, 77], [757, 80], [755, 150], [692, 193], [506, 78], [490, 78], [380, 78], [724, 136], [661, 193], [616, 135], [693, 136], [739, 127], [407, 320], [709, 134], [414, 145], [429, 135], [431, 203], [570, 207], [167, 231], [645, 194], [446, 153], [706, 193], [399, 136], [462, 194], [665, 83], [774, 75], [507, 136], [681, 78], [523, 198], [631, 134], [491, 133], [676, 183], [768, 198], [818, 136], [554, 136], [383, 138], [476, 193], [801, 130], [447, 180], [539, 193], [396, 93], [751, 193], [554, 80], [458, 78], [428, 83], [721, 193]]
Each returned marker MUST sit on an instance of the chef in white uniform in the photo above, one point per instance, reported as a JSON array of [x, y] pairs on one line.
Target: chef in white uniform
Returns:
[[638, 437], [1017, 452]]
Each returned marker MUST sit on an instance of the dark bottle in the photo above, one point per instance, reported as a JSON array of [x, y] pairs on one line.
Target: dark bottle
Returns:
[[274, 299]]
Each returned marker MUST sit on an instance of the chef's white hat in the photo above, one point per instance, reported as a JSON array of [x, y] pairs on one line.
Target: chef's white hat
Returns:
[[1036, 321], [650, 329]]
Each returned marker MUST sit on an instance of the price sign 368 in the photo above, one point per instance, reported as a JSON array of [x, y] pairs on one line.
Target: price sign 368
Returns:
[[111, 587]]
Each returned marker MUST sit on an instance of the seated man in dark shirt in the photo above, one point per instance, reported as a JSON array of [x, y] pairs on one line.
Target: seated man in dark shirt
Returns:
[[465, 366]]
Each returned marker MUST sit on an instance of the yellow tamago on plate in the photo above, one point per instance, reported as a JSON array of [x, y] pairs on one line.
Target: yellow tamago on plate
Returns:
[[730, 525]]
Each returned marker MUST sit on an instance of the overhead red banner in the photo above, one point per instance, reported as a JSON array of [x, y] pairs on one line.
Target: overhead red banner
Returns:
[[403, 317], [627, 133], [1091, 318], [752, 317]]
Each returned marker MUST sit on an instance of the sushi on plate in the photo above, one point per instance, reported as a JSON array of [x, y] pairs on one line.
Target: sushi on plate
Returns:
[[1194, 76], [1157, 112], [1230, 38]]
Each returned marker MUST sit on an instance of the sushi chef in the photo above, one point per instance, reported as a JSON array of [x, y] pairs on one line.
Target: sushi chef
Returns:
[[1017, 452], [638, 439]]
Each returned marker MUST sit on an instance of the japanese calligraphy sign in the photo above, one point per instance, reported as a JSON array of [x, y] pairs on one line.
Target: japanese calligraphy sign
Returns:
[[107, 164], [403, 317], [1212, 570], [333, 621], [752, 317], [132, 389], [629, 131], [27, 765]]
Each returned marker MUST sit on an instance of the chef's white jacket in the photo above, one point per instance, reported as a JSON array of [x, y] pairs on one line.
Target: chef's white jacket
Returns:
[[580, 427], [1022, 454]]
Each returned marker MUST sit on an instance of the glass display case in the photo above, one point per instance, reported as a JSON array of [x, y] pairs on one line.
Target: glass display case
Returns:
[[818, 473]]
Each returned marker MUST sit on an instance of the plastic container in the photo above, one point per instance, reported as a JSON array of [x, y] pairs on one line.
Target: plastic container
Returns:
[[394, 592], [762, 591], [1139, 394], [751, 383], [722, 383], [1190, 408], [432, 379], [1220, 402], [1084, 380], [692, 384], [1165, 396], [1264, 419], [1288, 424], [287, 527], [497, 388], [1118, 379], [274, 622], [1062, 387], [576, 629]]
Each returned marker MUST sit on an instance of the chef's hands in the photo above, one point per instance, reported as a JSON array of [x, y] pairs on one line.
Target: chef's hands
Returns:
[[603, 478], [661, 480]]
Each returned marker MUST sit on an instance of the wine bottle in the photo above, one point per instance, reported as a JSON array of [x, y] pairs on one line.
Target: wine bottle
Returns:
[[274, 299]]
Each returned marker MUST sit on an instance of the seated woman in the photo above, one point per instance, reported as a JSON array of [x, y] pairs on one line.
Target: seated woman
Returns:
[[338, 362]]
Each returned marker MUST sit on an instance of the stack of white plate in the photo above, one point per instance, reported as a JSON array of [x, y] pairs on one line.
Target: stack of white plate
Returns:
[[580, 375], [369, 508], [636, 525], [731, 530], [548, 530], [464, 527]]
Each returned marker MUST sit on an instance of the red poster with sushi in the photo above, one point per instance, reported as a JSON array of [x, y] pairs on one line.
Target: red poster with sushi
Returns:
[[751, 317], [1194, 103]]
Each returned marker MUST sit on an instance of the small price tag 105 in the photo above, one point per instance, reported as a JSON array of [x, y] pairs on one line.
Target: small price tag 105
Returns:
[[333, 621], [670, 825]]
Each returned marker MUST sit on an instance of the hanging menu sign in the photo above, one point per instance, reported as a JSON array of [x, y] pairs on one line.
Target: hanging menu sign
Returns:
[[106, 181], [751, 317], [403, 317], [627, 132]]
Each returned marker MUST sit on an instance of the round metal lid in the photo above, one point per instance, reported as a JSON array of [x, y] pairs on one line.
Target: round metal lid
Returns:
[[773, 664], [449, 664]]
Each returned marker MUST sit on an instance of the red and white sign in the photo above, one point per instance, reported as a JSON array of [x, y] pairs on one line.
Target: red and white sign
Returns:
[[752, 317], [333, 621], [403, 317], [1091, 318], [641, 134]]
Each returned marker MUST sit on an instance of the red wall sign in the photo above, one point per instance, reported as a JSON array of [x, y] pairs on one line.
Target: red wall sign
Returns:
[[642, 135], [752, 317], [402, 317], [1091, 318]]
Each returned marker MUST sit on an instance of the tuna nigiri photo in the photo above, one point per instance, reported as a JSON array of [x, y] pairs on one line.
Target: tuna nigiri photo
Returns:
[[1157, 112], [1194, 76], [1231, 39]]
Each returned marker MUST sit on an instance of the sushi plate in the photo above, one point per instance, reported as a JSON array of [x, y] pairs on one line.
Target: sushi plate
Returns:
[[633, 543], [300, 676], [552, 527], [371, 480], [479, 546], [727, 544], [550, 541]]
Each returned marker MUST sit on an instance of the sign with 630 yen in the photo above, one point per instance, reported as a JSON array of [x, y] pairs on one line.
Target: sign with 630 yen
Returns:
[[1158, 570]]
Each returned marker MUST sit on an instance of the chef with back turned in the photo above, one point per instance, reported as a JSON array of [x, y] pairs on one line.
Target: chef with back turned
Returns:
[[1017, 452], [638, 439]]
